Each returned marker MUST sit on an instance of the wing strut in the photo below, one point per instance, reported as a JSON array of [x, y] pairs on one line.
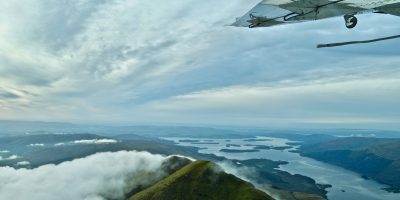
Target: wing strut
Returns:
[[356, 42]]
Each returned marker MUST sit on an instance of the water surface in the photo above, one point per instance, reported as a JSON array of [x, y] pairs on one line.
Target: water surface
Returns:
[[346, 185]]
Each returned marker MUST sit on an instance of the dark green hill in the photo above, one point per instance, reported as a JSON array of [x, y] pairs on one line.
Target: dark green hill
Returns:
[[201, 180], [376, 158], [351, 143]]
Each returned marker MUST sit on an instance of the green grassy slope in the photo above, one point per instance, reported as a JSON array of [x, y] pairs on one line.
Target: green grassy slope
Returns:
[[201, 180]]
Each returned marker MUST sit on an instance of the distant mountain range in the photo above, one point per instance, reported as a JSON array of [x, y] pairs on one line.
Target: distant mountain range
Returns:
[[44, 149], [12, 127]]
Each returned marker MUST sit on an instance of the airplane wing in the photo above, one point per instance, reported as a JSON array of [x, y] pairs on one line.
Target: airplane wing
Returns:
[[275, 12]]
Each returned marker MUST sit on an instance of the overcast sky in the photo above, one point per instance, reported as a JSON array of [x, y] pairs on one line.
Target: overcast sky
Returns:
[[144, 62]]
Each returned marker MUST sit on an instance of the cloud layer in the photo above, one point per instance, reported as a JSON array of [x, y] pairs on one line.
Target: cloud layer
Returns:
[[95, 141], [11, 157], [167, 62], [97, 177]]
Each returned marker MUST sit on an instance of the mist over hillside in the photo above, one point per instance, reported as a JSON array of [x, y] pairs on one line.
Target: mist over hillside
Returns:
[[124, 175], [99, 176]]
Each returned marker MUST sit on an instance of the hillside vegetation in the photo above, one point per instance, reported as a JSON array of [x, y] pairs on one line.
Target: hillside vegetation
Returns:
[[374, 158], [201, 180]]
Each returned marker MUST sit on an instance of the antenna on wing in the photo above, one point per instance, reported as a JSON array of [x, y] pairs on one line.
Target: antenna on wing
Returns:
[[356, 42]]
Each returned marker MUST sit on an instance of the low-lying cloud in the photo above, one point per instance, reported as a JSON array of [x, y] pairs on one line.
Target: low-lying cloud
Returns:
[[23, 163], [96, 177], [36, 145], [95, 141], [12, 157], [88, 142]]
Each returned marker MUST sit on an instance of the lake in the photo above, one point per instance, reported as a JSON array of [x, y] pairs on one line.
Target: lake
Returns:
[[346, 185]]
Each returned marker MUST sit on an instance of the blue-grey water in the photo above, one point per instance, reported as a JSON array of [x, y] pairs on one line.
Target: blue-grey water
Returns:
[[355, 187]]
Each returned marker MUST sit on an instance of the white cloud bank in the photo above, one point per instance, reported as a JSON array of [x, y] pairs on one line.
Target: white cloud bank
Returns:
[[36, 145], [23, 163], [88, 142], [12, 157], [95, 141], [96, 177], [364, 102]]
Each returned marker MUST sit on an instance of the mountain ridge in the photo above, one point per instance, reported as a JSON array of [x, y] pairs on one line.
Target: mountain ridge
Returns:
[[375, 158], [201, 180]]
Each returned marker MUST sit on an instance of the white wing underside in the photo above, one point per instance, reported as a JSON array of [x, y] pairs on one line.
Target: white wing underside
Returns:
[[275, 12]]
